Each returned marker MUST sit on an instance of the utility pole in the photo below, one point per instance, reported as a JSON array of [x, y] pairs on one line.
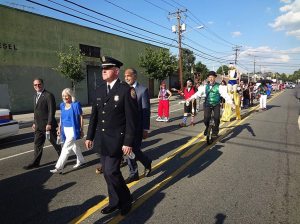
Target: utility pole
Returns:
[[236, 49], [254, 69], [179, 30]]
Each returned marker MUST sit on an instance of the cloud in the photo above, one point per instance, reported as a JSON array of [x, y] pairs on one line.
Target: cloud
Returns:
[[289, 21], [210, 22], [286, 1], [269, 58], [236, 34], [268, 9]]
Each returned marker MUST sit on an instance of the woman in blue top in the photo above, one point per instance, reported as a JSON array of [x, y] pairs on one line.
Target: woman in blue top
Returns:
[[70, 129]]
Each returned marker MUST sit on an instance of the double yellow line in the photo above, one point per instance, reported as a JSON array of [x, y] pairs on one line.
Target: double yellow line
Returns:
[[158, 186]]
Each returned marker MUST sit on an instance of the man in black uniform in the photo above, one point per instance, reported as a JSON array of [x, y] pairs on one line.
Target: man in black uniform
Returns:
[[114, 114]]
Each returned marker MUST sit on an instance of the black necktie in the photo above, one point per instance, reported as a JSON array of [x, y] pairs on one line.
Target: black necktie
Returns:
[[108, 89]]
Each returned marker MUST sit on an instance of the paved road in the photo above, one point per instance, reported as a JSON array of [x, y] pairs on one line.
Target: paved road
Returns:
[[251, 174]]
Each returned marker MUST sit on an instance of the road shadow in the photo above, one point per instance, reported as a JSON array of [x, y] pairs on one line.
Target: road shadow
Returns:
[[157, 152], [137, 215], [164, 129], [25, 199], [16, 140], [167, 170], [220, 218], [272, 106], [236, 131]]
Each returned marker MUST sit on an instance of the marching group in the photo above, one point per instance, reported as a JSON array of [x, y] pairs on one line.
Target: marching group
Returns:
[[120, 120]]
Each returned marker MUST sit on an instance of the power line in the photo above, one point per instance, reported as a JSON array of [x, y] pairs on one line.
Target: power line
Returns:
[[178, 4], [156, 6], [95, 18], [169, 4], [213, 33], [136, 15], [78, 17], [139, 28]]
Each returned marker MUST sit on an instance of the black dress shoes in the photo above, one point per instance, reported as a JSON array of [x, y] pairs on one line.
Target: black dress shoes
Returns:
[[30, 166], [148, 171], [205, 131], [125, 210], [132, 178], [109, 209]]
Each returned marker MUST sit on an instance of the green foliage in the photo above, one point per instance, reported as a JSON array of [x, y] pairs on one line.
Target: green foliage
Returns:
[[295, 76], [188, 62], [224, 70], [71, 65], [201, 71], [159, 64]]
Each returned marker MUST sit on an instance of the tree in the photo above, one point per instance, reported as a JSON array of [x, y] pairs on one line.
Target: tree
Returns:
[[159, 64], [188, 62], [223, 70], [201, 71], [71, 65]]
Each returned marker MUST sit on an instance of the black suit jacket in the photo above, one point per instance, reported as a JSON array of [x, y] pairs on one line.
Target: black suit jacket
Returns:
[[115, 117], [44, 111]]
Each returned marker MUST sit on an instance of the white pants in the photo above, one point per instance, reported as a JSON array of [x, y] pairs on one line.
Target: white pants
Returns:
[[69, 145], [263, 101]]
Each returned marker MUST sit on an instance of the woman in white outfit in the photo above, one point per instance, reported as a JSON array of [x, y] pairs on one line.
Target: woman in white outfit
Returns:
[[70, 129]]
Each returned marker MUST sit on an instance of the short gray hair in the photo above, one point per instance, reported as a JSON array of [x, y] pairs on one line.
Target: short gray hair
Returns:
[[68, 91]]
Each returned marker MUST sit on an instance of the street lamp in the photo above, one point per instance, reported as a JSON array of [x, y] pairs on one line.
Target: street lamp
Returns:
[[180, 30]]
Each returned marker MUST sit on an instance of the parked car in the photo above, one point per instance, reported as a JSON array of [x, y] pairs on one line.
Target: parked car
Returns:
[[8, 126], [290, 85]]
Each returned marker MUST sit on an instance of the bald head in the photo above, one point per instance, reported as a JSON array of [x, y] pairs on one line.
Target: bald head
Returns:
[[130, 76]]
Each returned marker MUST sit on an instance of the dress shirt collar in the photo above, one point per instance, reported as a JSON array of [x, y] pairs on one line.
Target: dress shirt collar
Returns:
[[112, 83], [134, 84]]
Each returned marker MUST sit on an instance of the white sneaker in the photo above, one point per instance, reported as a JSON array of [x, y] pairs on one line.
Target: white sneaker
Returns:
[[159, 119], [56, 171], [77, 165], [166, 119]]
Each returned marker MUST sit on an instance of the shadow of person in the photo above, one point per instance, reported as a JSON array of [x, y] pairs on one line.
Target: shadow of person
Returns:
[[164, 129], [147, 143], [67, 214], [25, 199], [236, 131], [169, 171], [138, 215], [271, 106], [220, 218], [156, 152]]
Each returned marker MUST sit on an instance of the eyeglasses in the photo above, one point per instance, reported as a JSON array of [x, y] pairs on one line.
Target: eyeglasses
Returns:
[[37, 84]]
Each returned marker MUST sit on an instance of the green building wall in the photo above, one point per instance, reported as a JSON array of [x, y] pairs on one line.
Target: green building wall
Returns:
[[28, 48]]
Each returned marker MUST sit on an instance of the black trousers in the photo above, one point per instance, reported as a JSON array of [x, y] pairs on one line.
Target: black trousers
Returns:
[[139, 156], [39, 141], [207, 115], [118, 192]]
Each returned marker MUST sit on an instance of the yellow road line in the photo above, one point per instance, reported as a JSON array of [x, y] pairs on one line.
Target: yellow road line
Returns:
[[102, 203], [158, 186], [142, 199]]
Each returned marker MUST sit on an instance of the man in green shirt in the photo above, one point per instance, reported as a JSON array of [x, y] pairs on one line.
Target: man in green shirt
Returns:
[[213, 92]]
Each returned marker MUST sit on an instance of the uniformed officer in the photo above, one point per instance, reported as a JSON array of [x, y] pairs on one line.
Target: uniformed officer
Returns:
[[114, 114]]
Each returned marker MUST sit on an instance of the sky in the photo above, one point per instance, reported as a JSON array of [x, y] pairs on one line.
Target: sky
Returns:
[[266, 33]]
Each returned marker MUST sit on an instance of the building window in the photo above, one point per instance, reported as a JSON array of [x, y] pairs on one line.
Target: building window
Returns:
[[90, 51]]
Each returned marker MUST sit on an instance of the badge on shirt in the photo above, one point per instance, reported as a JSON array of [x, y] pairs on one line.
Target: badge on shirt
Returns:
[[133, 93], [116, 98]]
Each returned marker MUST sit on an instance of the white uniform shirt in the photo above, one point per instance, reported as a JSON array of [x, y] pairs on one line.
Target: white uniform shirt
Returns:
[[222, 90]]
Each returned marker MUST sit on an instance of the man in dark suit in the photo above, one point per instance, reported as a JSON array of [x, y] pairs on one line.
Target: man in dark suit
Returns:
[[143, 127], [114, 114], [44, 122]]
